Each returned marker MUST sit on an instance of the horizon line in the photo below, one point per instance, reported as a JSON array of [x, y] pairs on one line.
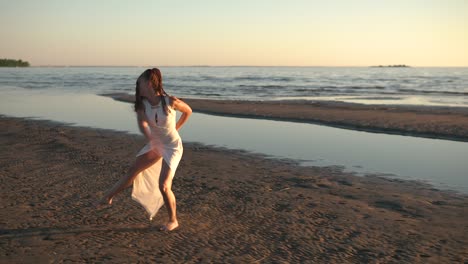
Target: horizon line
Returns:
[[298, 66]]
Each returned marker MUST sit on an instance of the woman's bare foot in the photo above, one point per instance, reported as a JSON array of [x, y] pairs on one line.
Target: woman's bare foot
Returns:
[[102, 202], [170, 226]]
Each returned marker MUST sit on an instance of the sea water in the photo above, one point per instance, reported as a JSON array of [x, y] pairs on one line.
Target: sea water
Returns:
[[71, 95], [413, 86]]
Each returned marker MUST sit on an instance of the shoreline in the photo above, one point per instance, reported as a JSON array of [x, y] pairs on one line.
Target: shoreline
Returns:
[[233, 206], [448, 123]]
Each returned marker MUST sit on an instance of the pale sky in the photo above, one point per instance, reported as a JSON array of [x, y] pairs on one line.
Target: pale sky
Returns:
[[240, 32]]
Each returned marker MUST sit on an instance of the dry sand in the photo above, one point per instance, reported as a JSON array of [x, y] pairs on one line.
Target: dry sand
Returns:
[[421, 121], [233, 207]]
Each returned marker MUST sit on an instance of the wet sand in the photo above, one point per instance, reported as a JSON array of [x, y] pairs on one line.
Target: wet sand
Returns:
[[233, 207], [422, 121]]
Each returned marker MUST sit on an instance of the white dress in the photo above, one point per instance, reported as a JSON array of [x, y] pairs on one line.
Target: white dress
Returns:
[[165, 141]]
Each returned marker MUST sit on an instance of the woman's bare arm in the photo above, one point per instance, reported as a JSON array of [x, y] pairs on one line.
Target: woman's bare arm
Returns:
[[182, 107], [143, 124]]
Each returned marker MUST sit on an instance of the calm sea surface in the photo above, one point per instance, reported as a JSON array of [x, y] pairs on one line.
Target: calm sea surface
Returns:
[[414, 86]]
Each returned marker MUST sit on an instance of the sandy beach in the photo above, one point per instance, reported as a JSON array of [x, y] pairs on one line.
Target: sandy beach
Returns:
[[421, 121], [233, 207], [319, 132]]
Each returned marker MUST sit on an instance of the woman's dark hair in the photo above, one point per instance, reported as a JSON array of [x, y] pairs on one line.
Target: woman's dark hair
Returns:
[[154, 76]]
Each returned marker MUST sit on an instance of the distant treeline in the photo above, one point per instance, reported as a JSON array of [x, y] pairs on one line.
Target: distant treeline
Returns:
[[13, 63]]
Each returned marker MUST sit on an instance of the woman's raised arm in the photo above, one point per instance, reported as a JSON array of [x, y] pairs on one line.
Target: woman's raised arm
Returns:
[[181, 106]]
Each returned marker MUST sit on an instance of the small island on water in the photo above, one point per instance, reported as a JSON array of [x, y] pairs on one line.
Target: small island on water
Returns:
[[13, 63], [391, 66]]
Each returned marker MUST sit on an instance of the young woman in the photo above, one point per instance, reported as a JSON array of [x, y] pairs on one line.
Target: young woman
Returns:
[[155, 165]]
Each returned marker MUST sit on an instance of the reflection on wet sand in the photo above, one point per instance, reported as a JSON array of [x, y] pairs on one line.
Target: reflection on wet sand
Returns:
[[439, 162]]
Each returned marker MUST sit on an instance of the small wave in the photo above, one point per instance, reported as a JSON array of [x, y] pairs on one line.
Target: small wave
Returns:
[[339, 88], [33, 85], [377, 87], [302, 90], [213, 78], [261, 86], [378, 98], [259, 78], [206, 94]]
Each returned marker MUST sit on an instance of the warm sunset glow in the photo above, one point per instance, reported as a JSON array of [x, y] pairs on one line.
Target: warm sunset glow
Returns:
[[317, 33]]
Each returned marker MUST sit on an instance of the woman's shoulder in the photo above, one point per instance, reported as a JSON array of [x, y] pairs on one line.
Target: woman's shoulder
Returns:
[[172, 100]]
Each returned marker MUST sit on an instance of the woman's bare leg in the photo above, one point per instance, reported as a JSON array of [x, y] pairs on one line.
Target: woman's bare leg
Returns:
[[165, 186], [142, 162]]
